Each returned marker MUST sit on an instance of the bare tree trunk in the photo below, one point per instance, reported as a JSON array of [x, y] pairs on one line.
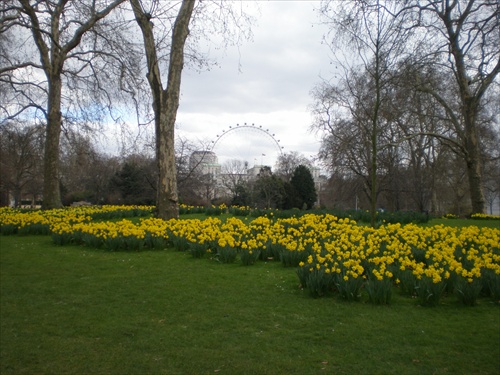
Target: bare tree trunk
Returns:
[[167, 201], [470, 106], [51, 188], [473, 161], [373, 168], [165, 102], [374, 133]]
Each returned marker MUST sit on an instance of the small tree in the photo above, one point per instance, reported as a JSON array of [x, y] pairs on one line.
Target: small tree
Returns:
[[241, 196], [268, 189], [135, 181], [303, 183], [21, 161], [287, 163]]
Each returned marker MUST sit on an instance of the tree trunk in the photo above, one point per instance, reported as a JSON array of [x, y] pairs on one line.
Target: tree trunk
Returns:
[[374, 134], [51, 189], [165, 102], [167, 204], [473, 161], [470, 103], [373, 168], [166, 196]]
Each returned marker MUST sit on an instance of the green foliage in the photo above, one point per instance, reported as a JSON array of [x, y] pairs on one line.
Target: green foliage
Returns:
[[187, 210], [270, 191], [485, 217], [215, 210], [8, 229], [240, 210], [407, 282], [226, 254], [316, 281], [292, 198], [197, 250], [303, 189], [491, 284], [349, 287], [122, 212], [428, 292], [468, 292], [291, 258], [379, 291], [135, 185], [249, 257], [41, 229], [154, 242], [241, 197]]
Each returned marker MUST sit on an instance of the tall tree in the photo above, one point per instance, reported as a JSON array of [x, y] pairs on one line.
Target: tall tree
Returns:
[[165, 98], [268, 189], [57, 31], [376, 38], [85, 173], [303, 183], [463, 43]]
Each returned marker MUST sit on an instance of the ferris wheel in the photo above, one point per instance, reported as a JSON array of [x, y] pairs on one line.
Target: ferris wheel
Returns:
[[247, 137]]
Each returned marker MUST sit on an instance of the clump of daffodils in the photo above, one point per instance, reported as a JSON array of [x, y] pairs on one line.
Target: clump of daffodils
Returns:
[[329, 253]]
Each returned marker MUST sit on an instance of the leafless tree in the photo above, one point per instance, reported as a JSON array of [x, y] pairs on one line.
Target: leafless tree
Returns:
[[233, 174], [190, 170], [177, 19], [462, 38], [21, 161], [377, 41], [85, 172], [165, 100], [52, 68], [288, 162]]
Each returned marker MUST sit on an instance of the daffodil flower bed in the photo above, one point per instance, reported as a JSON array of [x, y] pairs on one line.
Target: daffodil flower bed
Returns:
[[485, 217], [331, 255]]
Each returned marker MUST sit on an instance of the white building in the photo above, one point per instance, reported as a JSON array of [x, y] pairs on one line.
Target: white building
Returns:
[[205, 162]]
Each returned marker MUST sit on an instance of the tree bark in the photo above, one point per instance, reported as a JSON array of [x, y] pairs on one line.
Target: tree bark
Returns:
[[165, 102], [470, 106], [473, 161], [51, 189]]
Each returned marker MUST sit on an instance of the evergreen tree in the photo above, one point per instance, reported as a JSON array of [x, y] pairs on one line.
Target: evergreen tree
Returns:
[[291, 198], [134, 184], [241, 196], [303, 184]]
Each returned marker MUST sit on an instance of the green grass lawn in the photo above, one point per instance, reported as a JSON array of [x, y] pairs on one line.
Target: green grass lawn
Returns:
[[75, 310]]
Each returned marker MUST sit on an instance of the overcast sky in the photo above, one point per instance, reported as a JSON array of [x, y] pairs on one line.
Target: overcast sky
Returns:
[[266, 82]]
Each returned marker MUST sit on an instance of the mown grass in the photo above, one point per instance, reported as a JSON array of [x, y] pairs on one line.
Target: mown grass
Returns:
[[75, 310]]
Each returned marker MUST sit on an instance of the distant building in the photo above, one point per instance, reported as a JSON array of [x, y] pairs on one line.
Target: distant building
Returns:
[[256, 170], [215, 184], [205, 162]]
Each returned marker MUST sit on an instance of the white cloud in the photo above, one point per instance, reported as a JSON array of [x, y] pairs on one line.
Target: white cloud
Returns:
[[270, 88]]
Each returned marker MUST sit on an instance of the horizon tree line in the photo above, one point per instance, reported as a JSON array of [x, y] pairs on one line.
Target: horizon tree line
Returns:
[[415, 96]]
